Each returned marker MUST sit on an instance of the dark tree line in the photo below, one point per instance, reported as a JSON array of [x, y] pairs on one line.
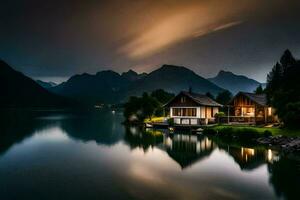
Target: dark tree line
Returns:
[[222, 98], [139, 108], [259, 90], [283, 89]]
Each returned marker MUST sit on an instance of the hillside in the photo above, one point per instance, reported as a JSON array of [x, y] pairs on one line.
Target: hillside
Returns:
[[18, 90], [111, 87], [46, 85], [103, 87], [173, 79], [234, 83]]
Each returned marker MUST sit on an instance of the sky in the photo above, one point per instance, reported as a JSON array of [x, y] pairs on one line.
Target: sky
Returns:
[[55, 39]]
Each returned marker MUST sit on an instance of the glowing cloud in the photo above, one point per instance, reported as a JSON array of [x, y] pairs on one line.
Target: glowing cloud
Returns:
[[182, 24]]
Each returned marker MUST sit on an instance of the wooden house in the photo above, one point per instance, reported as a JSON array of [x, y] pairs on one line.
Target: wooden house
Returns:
[[188, 108], [250, 108]]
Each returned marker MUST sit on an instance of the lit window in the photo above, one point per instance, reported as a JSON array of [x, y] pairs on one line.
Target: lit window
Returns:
[[269, 111], [182, 99]]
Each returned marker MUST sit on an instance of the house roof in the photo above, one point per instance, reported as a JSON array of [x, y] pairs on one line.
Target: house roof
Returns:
[[200, 99], [260, 99]]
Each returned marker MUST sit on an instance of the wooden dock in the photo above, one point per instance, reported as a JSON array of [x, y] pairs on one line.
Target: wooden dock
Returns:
[[164, 125]]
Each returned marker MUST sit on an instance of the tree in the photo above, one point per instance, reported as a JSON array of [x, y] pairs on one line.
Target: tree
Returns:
[[224, 97], [139, 108], [259, 90], [287, 60], [149, 104], [162, 96], [208, 94], [283, 89]]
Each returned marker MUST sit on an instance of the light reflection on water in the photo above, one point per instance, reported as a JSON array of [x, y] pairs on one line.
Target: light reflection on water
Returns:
[[94, 157]]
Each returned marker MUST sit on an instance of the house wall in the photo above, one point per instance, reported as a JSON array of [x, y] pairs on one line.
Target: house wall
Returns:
[[245, 107], [242, 100], [197, 112], [204, 115]]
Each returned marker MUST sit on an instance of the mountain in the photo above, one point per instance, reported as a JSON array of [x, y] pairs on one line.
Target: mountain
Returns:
[[46, 85], [234, 83], [173, 79], [132, 75], [111, 87], [103, 87], [18, 90]]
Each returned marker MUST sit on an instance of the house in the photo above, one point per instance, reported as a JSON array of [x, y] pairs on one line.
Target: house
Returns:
[[188, 108], [250, 108]]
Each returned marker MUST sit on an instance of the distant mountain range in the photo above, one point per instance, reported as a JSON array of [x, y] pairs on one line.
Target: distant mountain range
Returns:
[[111, 87], [235, 83], [18, 90], [173, 79], [46, 85]]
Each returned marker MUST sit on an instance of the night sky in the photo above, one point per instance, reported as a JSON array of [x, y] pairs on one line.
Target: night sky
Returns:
[[54, 39]]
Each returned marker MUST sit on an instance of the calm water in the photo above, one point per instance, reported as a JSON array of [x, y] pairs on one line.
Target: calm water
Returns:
[[64, 156]]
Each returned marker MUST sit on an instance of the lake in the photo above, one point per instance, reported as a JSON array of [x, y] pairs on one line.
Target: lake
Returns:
[[93, 156]]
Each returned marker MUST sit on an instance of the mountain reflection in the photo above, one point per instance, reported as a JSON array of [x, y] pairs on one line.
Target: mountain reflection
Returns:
[[186, 150], [15, 127], [103, 128]]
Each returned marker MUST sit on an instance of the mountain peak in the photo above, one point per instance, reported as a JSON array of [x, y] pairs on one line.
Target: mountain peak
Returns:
[[129, 72], [132, 75], [31, 94], [173, 67], [234, 82], [107, 72], [223, 72]]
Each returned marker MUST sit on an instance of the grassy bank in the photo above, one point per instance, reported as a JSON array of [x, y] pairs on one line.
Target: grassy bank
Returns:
[[154, 119], [259, 130]]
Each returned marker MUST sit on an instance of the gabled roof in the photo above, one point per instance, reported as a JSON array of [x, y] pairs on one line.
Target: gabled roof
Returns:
[[200, 99], [260, 99]]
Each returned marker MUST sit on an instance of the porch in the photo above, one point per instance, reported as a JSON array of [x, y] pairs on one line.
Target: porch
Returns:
[[187, 121]]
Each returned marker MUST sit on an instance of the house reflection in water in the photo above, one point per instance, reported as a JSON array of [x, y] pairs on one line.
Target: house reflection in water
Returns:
[[187, 149], [251, 158]]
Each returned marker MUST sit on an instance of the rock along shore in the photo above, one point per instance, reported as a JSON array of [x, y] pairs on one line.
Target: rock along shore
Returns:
[[287, 144]]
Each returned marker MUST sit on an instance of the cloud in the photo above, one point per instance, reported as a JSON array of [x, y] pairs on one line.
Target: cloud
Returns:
[[228, 25], [181, 24]]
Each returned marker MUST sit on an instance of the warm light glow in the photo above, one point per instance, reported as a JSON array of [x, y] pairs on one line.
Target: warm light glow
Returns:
[[186, 21], [270, 155], [246, 152], [269, 111]]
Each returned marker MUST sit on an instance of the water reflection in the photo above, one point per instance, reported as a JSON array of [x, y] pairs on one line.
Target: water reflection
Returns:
[[250, 158], [135, 137], [188, 149], [143, 157]]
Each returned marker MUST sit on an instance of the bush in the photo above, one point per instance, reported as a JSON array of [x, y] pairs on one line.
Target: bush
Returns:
[[209, 131], [220, 114], [226, 132], [247, 133], [171, 122], [267, 133], [241, 133]]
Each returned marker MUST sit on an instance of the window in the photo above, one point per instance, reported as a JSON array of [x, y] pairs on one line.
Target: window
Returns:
[[269, 111], [188, 112], [208, 112], [183, 99], [176, 112]]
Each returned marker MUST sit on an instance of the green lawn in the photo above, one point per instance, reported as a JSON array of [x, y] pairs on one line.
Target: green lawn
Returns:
[[154, 119], [274, 131]]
